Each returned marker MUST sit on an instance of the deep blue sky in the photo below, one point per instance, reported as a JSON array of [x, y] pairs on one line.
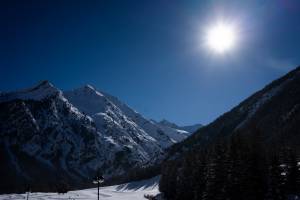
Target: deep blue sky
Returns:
[[150, 53]]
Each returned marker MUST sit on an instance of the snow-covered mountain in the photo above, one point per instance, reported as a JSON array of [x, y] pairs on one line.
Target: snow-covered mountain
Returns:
[[70, 135], [108, 110], [43, 135], [189, 129], [163, 133]]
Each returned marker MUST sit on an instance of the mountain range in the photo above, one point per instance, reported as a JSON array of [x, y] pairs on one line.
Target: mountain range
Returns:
[[48, 135]]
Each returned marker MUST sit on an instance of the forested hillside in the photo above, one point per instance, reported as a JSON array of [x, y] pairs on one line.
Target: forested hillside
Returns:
[[252, 152]]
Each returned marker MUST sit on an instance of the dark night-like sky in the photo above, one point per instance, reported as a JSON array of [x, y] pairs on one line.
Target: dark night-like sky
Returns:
[[150, 53]]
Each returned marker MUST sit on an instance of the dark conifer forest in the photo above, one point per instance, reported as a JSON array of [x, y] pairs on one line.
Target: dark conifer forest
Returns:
[[251, 152], [240, 167]]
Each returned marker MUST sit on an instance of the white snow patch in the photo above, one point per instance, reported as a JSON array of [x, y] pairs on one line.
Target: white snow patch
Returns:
[[128, 191]]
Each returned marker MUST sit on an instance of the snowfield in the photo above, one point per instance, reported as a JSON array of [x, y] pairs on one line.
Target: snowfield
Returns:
[[127, 191]]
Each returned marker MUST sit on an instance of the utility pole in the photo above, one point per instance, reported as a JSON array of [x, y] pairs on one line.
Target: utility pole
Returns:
[[98, 189], [28, 191], [98, 179]]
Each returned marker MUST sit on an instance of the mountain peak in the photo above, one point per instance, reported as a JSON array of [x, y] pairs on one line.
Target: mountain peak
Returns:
[[42, 85], [45, 82], [42, 90], [88, 89], [168, 123]]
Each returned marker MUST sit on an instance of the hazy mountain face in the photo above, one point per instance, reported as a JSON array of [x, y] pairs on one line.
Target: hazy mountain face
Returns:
[[189, 129], [69, 136]]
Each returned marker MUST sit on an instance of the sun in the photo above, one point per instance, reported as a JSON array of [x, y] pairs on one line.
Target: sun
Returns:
[[221, 37]]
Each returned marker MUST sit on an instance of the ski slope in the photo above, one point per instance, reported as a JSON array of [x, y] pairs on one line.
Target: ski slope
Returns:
[[127, 191]]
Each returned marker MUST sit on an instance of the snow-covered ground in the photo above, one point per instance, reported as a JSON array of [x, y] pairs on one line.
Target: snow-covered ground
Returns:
[[127, 191]]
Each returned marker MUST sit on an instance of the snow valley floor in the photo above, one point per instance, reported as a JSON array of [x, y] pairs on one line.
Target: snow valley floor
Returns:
[[127, 191]]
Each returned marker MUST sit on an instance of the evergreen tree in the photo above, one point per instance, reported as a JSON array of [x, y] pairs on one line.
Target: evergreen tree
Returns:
[[234, 169], [292, 172], [240, 167], [198, 175], [185, 181], [167, 183], [215, 184], [275, 191]]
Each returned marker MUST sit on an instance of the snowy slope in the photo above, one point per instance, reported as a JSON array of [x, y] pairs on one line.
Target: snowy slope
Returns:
[[103, 108], [191, 128], [118, 130], [187, 129], [43, 134], [128, 191], [71, 135], [164, 133]]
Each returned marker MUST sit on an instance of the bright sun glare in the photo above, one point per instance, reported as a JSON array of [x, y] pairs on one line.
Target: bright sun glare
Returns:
[[221, 37]]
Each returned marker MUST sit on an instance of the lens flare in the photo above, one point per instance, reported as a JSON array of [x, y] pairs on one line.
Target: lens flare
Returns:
[[221, 37]]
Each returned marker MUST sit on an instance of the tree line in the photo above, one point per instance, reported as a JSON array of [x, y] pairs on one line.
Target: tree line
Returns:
[[235, 168]]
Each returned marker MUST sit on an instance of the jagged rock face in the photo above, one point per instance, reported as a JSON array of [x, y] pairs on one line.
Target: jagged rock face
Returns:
[[123, 135], [164, 134], [112, 116], [47, 135], [44, 136], [274, 112]]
